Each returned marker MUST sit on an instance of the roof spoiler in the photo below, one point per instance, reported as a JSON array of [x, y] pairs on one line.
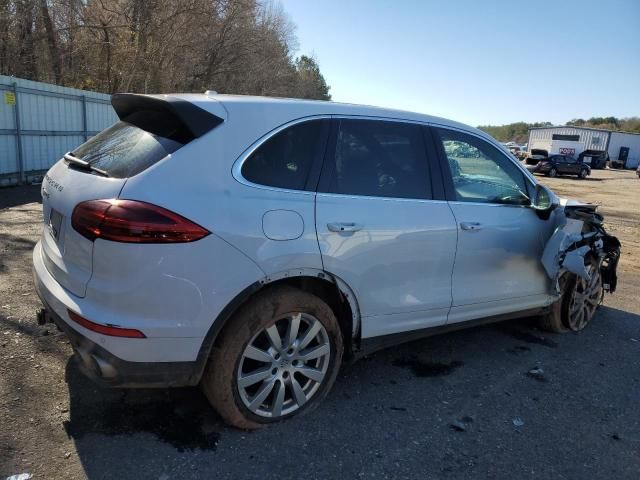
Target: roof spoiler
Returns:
[[171, 117]]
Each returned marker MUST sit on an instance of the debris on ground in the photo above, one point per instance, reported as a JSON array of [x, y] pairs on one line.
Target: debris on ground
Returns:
[[537, 373], [458, 426], [398, 409], [518, 422], [20, 476]]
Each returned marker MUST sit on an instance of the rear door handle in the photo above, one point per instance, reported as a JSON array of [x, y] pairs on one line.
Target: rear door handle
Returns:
[[344, 227], [470, 226]]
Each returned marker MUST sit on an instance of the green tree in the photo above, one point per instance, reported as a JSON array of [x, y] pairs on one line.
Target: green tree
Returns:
[[311, 83], [519, 132], [513, 132]]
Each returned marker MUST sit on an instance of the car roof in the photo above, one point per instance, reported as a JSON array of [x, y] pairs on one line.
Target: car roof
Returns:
[[298, 108]]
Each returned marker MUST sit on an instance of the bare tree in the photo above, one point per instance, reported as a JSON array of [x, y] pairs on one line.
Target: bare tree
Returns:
[[52, 42], [233, 46]]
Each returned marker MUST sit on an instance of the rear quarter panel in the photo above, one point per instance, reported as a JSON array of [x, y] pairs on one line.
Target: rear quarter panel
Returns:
[[166, 290]]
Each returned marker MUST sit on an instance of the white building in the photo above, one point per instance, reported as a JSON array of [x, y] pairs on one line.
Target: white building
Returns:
[[574, 140]]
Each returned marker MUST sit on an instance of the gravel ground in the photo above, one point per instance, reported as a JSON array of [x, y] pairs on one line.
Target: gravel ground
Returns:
[[461, 405]]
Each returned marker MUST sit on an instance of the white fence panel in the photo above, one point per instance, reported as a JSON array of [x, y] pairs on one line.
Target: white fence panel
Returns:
[[8, 154], [51, 120]]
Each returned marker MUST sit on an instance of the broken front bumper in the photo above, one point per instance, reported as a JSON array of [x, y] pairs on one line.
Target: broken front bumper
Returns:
[[579, 237]]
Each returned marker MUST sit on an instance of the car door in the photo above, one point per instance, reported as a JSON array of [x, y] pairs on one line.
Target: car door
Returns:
[[381, 226], [563, 165], [498, 265], [558, 161], [572, 166]]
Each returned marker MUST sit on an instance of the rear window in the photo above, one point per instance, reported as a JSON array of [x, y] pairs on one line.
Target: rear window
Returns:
[[124, 150]]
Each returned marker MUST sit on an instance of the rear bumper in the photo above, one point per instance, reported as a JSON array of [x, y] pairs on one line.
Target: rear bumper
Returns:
[[96, 361], [108, 370]]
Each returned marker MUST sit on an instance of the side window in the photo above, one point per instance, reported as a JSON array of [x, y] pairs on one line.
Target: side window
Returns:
[[481, 173], [380, 159], [285, 159]]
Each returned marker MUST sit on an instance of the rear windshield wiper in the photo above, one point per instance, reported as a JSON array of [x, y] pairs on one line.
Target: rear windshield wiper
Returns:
[[79, 163]]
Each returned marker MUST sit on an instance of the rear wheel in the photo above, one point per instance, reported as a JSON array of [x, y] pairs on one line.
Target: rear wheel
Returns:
[[278, 357], [553, 172], [583, 173]]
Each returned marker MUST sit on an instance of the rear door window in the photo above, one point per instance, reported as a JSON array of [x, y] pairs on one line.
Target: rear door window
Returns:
[[124, 150], [379, 158]]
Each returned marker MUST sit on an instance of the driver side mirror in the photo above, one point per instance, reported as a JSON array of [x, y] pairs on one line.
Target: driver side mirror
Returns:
[[543, 199]]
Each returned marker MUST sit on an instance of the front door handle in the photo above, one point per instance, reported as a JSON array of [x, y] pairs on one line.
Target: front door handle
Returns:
[[344, 227], [473, 226]]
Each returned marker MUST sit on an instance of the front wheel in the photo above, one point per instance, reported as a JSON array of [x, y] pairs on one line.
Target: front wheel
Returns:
[[575, 309], [583, 174], [278, 357], [553, 172]]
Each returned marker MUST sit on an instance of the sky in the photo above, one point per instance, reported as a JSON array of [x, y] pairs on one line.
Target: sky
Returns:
[[478, 62]]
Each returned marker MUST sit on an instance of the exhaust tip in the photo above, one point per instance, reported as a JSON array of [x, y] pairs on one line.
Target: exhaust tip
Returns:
[[104, 369]]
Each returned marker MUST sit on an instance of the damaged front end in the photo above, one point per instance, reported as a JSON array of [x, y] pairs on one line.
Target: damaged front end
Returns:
[[578, 241]]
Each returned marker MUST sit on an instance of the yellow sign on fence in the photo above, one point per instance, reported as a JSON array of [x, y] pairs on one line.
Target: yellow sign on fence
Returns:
[[9, 98]]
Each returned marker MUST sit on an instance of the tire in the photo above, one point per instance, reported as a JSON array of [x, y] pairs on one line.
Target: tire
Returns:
[[245, 350], [552, 321], [553, 172], [577, 305], [583, 174]]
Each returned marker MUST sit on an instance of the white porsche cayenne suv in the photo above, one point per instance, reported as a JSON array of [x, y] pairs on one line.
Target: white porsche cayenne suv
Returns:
[[250, 245]]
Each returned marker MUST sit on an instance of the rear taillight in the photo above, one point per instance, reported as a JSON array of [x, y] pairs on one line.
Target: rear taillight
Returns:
[[132, 221], [111, 330]]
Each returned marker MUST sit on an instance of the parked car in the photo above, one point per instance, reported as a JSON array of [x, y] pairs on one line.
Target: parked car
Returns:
[[517, 152], [594, 158], [535, 156], [562, 165], [250, 244], [638, 171]]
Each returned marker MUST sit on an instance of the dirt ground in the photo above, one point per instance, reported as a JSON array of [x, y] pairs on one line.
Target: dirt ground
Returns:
[[460, 405]]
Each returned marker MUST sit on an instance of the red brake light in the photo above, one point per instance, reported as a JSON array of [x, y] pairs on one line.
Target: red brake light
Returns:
[[110, 330], [132, 221]]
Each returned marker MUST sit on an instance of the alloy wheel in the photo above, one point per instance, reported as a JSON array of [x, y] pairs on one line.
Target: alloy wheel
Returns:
[[283, 366], [585, 298], [553, 172]]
